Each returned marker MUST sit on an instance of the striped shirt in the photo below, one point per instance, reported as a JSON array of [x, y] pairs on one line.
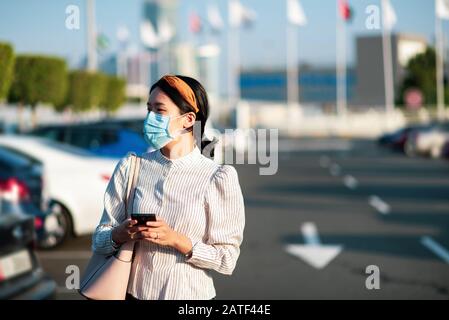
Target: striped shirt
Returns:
[[196, 197]]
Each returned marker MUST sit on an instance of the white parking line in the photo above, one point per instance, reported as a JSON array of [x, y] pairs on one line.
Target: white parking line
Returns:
[[436, 248], [325, 161], [350, 182], [335, 170], [379, 204], [61, 255]]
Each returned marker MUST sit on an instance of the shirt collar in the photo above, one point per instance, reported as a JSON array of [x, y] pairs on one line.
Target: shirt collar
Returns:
[[181, 161]]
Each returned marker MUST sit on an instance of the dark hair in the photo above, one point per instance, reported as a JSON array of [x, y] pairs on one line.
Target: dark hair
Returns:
[[202, 103]]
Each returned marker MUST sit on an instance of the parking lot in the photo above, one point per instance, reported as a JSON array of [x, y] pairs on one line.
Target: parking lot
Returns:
[[375, 206]]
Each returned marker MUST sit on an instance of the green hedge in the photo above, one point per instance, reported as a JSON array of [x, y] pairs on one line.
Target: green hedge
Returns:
[[6, 68], [86, 90], [115, 94], [39, 79]]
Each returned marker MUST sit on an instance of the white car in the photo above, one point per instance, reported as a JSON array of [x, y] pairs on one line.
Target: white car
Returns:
[[431, 142], [75, 182]]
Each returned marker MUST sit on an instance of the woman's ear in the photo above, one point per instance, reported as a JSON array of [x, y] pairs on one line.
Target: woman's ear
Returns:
[[189, 120]]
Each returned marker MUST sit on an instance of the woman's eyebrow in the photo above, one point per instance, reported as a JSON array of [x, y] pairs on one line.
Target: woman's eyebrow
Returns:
[[156, 104]]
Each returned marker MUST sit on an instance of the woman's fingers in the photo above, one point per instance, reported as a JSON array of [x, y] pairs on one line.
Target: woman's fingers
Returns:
[[155, 223], [131, 222], [151, 234], [135, 229], [157, 229]]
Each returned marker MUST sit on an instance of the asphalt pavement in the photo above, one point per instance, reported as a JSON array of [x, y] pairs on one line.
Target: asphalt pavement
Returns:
[[335, 211]]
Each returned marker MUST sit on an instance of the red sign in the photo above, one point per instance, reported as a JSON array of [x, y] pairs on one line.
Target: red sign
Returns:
[[413, 98]]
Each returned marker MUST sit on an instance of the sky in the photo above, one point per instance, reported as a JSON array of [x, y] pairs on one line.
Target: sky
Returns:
[[38, 26]]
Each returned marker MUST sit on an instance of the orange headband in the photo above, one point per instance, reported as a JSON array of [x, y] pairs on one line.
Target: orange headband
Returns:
[[184, 90]]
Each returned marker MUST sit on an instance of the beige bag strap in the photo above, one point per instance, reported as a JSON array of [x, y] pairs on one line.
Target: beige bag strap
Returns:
[[132, 180]]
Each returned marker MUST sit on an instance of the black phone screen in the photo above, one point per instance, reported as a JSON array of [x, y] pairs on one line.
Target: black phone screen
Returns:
[[143, 218]]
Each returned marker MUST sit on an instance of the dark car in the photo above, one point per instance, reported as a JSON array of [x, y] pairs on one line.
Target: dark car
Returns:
[[24, 173], [445, 151], [21, 276], [103, 139], [133, 124], [398, 139]]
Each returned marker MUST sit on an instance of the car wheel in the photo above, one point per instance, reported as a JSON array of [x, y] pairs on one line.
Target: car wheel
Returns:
[[409, 150], [435, 152], [57, 227]]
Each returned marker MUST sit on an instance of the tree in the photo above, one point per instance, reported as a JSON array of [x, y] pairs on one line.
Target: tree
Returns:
[[38, 79], [115, 94], [86, 91], [421, 74], [6, 68]]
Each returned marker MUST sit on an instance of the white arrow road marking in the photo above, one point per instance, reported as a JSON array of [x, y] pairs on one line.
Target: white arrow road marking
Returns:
[[324, 161], [436, 248], [350, 182], [335, 170], [379, 204], [313, 252]]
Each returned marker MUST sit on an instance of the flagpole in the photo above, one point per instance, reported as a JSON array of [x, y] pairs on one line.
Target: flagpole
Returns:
[[341, 65], [230, 56], [439, 66], [292, 65], [388, 65], [91, 36], [233, 61]]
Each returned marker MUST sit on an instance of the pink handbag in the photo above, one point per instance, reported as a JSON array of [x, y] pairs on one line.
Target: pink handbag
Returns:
[[106, 277]]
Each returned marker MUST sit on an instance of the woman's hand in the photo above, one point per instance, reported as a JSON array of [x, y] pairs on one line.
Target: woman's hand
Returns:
[[160, 232], [127, 231]]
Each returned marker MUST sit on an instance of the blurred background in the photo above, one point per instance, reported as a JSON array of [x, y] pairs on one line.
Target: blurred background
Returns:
[[358, 207]]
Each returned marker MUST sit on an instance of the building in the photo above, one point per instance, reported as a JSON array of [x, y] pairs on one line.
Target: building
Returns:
[[370, 90], [163, 16]]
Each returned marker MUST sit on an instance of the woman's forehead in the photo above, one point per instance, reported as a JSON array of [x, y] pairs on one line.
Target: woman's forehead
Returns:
[[159, 96]]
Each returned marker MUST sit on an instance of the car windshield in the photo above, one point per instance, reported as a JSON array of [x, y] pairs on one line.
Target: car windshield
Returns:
[[67, 148], [11, 157], [444, 126]]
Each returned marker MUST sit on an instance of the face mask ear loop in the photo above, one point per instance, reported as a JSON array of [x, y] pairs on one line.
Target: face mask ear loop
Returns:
[[179, 131]]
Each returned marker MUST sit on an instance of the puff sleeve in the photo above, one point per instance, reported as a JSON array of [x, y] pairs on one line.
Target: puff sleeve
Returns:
[[226, 222], [114, 208]]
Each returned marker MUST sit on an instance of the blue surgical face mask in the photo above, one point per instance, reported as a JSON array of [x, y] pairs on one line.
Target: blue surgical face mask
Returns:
[[155, 129]]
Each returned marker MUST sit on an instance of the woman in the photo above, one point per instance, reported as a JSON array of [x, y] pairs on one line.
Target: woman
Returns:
[[198, 203]]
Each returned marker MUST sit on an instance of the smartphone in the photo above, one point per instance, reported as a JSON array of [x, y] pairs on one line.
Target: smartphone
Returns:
[[143, 218]]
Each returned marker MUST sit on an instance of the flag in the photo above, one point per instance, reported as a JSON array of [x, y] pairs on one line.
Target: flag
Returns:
[[102, 42], [240, 15], [295, 13], [122, 34], [165, 30], [148, 36], [214, 18], [442, 9], [346, 11], [388, 15], [195, 24]]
